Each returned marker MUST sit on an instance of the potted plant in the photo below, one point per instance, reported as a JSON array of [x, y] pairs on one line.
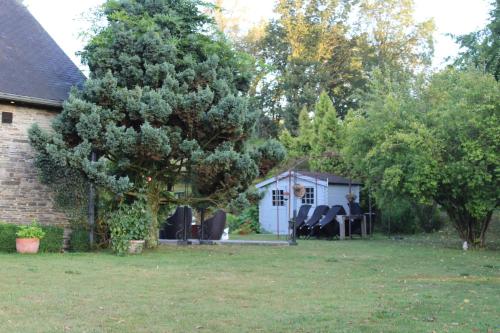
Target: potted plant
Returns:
[[129, 227], [28, 238]]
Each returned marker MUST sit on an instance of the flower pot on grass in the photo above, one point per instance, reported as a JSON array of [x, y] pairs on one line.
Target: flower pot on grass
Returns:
[[136, 246], [28, 238]]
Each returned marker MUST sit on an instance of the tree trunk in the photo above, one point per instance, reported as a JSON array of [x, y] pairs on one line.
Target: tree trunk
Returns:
[[484, 228], [153, 202]]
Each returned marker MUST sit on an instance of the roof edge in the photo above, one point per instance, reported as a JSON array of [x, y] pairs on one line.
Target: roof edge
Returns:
[[31, 100]]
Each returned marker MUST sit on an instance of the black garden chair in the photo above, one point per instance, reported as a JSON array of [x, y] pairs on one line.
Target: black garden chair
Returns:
[[354, 225], [174, 226], [318, 213], [212, 228], [301, 216], [329, 226]]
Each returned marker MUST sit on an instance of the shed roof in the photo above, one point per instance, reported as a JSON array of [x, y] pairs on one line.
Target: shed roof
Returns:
[[332, 179], [311, 176], [33, 68]]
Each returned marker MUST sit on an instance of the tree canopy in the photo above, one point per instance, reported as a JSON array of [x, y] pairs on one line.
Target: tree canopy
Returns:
[[165, 103], [432, 142], [481, 49]]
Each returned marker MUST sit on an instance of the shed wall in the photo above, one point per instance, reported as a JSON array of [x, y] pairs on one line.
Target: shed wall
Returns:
[[275, 218]]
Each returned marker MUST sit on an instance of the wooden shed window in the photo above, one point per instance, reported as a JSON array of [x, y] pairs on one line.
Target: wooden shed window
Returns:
[[308, 197], [6, 117], [278, 198]]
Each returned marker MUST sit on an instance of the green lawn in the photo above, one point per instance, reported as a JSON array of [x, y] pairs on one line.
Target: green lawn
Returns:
[[376, 285]]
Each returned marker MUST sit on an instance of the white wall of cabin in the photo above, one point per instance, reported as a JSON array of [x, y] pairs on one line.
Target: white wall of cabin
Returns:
[[337, 195]]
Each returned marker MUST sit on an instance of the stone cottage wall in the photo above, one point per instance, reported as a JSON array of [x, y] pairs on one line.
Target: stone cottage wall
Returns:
[[22, 197]]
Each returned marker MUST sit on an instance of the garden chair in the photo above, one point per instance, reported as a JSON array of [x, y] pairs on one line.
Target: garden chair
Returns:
[[173, 228], [212, 228], [329, 226], [318, 213], [301, 216], [354, 225]]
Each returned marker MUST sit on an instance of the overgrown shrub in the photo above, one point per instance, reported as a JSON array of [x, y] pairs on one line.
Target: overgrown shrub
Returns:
[[52, 242], [246, 222], [8, 237], [402, 216], [128, 222], [79, 240]]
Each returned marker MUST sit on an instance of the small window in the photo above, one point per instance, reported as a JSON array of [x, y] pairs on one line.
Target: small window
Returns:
[[308, 197], [278, 198], [6, 117]]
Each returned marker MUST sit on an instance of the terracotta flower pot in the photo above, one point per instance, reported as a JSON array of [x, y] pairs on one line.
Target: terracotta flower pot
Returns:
[[27, 245], [135, 246]]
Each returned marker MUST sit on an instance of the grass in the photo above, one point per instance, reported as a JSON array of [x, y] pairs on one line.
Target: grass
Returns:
[[377, 285]]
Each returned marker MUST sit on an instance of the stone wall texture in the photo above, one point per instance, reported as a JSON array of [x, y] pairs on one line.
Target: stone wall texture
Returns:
[[22, 197]]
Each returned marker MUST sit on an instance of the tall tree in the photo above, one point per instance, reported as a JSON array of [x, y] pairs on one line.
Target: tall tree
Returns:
[[431, 141], [308, 50], [482, 48], [165, 101], [396, 41], [332, 46]]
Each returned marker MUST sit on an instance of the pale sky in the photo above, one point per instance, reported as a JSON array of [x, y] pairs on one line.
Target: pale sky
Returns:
[[63, 20]]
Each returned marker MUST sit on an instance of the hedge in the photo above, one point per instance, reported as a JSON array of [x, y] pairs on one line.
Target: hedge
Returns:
[[52, 242], [79, 241]]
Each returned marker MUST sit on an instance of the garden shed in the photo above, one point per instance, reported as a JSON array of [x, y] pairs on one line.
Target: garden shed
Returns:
[[279, 200]]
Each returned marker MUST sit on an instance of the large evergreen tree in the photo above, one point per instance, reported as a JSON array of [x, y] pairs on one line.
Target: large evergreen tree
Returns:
[[165, 102]]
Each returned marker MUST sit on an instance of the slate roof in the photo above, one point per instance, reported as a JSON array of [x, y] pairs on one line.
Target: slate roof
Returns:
[[332, 179], [33, 68]]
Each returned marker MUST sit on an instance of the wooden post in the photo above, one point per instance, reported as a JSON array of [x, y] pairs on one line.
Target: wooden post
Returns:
[[370, 212], [363, 226], [340, 220]]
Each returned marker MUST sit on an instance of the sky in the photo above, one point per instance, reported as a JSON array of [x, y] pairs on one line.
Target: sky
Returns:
[[64, 20]]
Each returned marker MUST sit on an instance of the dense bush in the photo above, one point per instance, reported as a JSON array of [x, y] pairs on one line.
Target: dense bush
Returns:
[[128, 222], [52, 242], [8, 237], [402, 216], [246, 222], [79, 240]]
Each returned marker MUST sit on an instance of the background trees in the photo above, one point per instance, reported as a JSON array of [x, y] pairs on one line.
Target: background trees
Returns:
[[482, 48], [431, 143], [331, 46], [165, 102]]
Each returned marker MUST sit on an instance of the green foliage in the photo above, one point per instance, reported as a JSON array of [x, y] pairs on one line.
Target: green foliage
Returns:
[[332, 46], [79, 240], [69, 186], [8, 237], [431, 142], [402, 216], [33, 230], [245, 222], [269, 154], [166, 101], [128, 222], [52, 242], [318, 137], [482, 48]]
